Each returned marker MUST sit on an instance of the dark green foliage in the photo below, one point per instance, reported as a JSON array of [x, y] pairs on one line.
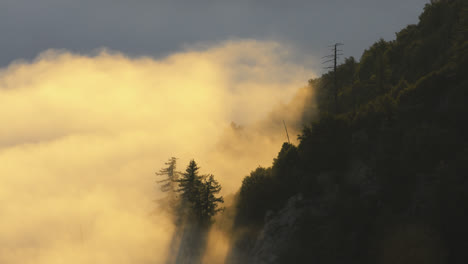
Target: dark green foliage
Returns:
[[190, 184], [438, 41], [198, 194], [256, 195], [402, 117], [285, 167], [325, 144], [209, 203]]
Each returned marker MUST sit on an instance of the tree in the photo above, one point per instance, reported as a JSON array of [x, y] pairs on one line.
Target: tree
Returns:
[[209, 201], [198, 194], [171, 176], [190, 184], [168, 184]]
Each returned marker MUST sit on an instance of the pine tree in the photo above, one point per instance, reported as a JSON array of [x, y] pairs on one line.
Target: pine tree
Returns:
[[171, 176], [168, 185], [209, 202], [190, 185], [198, 194]]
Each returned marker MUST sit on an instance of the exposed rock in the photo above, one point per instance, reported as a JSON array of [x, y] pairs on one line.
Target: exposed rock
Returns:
[[278, 230]]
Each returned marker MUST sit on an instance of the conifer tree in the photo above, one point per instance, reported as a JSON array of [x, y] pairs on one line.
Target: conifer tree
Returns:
[[169, 184], [198, 194], [171, 175], [209, 201], [190, 183]]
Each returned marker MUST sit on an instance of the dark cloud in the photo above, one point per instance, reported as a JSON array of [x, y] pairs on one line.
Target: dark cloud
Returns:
[[156, 28]]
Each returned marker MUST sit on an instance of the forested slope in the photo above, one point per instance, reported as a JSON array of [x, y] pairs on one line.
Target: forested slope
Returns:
[[387, 167]]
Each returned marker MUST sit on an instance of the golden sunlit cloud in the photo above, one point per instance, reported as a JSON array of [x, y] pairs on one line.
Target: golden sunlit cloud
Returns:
[[82, 136]]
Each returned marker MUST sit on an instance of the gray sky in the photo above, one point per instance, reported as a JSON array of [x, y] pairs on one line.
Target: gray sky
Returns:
[[156, 28]]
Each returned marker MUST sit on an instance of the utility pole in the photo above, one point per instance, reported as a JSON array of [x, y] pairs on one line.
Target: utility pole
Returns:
[[334, 58]]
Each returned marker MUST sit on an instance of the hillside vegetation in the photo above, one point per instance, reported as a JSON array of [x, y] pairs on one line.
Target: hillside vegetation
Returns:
[[387, 167]]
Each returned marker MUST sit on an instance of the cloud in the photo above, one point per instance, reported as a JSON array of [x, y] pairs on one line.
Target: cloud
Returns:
[[82, 136]]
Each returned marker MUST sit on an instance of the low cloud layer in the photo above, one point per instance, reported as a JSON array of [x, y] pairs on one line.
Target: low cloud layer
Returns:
[[82, 136]]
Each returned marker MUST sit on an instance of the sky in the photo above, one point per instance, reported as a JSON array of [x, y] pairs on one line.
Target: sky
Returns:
[[95, 96], [159, 27]]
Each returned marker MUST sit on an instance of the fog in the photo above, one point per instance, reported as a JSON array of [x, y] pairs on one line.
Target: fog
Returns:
[[82, 136]]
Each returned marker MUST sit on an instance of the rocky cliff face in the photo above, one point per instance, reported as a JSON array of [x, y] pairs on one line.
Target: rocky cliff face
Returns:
[[272, 242], [279, 230]]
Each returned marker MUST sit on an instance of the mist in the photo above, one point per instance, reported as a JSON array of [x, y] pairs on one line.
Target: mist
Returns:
[[82, 136]]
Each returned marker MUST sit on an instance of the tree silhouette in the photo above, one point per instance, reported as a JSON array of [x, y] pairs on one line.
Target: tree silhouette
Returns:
[[171, 176], [209, 202], [198, 194], [189, 187], [196, 202], [168, 185]]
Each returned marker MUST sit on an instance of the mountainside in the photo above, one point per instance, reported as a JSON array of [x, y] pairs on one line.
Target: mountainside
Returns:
[[381, 175]]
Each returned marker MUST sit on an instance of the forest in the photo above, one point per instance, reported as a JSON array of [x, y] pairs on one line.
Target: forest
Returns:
[[390, 159], [382, 170]]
